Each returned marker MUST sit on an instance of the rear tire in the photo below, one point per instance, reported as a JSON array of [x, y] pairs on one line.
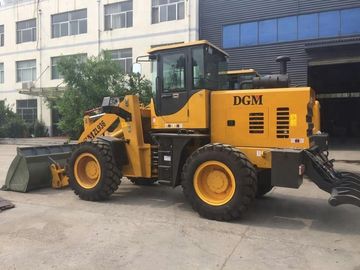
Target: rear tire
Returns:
[[264, 182], [93, 172], [219, 182]]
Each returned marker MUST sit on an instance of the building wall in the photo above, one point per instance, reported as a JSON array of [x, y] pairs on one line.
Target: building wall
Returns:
[[216, 14], [140, 38]]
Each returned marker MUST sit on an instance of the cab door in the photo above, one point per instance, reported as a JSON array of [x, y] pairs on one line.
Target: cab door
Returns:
[[172, 85]]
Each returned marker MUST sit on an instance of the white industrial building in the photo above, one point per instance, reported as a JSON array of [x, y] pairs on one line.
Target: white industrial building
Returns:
[[34, 33]]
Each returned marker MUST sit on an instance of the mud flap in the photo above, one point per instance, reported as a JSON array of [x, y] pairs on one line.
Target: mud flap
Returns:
[[344, 187]]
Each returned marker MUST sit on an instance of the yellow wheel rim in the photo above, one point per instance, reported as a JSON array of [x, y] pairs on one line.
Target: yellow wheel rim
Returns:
[[87, 170], [214, 183]]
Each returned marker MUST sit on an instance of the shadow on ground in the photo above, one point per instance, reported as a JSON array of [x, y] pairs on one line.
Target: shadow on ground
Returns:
[[276, 210], [296, 213]]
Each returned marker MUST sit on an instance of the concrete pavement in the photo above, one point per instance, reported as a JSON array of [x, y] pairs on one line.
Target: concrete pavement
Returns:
[[155, 228]]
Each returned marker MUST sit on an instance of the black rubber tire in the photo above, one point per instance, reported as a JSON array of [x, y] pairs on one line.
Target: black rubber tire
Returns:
[[245, 179], [110, 178], [142, 181], [264, 182]]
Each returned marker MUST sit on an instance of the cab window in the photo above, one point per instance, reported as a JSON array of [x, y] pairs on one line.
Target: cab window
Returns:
[[174, 72], [198, 71], [154, 72], [215, 65]]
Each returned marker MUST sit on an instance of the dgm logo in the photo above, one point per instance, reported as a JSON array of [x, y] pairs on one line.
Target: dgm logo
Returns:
[[248, 100]]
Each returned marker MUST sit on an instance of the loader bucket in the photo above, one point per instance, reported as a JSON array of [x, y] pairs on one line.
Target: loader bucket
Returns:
[[30, 169]]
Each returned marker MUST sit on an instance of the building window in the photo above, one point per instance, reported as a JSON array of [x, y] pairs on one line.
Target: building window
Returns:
[[248, 34], [26, 31], [26, 71], [2, 35], [287, 29], [328, 24], [308, 26], [119, 15], [350, 21], [69, 23], [27, 110], [267, 31], [1, 72], [55, 73], [124, 58], [167, 10], [231, 36]]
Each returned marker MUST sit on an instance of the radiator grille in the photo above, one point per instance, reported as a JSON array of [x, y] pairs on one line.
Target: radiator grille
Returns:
[[282, 123], [256, 123]]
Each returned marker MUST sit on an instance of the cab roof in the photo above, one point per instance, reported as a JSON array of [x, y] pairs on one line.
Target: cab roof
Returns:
[[187, 44]]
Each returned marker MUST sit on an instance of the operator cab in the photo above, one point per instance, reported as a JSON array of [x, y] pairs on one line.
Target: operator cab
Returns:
[[179, 71]]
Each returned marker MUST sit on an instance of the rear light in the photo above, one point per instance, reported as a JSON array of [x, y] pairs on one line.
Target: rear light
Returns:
[[301, 169]]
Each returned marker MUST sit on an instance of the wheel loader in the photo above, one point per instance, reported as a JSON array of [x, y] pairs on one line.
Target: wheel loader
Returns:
[[224, 147]]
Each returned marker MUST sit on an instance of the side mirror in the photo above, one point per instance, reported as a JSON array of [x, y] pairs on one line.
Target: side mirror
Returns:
[[136, 68], [153, 57]]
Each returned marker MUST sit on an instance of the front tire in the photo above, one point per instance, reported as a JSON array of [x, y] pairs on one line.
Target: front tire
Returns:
[[93, 172], [219, 182]]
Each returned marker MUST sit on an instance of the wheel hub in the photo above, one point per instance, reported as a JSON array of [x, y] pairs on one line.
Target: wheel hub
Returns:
[[92, 169], [87, 170], [217, 181], [214, 183]]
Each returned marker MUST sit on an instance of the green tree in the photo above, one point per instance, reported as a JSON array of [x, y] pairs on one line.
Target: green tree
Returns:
[[136, 84], [88, 82]]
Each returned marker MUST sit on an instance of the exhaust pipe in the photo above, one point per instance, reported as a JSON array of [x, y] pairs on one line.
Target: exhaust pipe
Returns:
[[283, 64], [276, 80]]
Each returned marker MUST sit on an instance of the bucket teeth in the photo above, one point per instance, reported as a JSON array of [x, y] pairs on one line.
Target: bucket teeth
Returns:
[[346, 190]]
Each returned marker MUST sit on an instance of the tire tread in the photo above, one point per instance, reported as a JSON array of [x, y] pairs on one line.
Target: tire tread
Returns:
[[111, 178], [248, 183]]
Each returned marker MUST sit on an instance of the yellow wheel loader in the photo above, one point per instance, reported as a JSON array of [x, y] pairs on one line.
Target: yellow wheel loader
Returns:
[[224, 147]]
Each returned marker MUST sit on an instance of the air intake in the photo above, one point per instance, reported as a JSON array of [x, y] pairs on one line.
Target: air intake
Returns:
[[256, 123], [282, 123]]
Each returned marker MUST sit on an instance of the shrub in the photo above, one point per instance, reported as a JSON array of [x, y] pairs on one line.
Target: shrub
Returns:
[[38, 129], [11, 125], [16, 128]]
